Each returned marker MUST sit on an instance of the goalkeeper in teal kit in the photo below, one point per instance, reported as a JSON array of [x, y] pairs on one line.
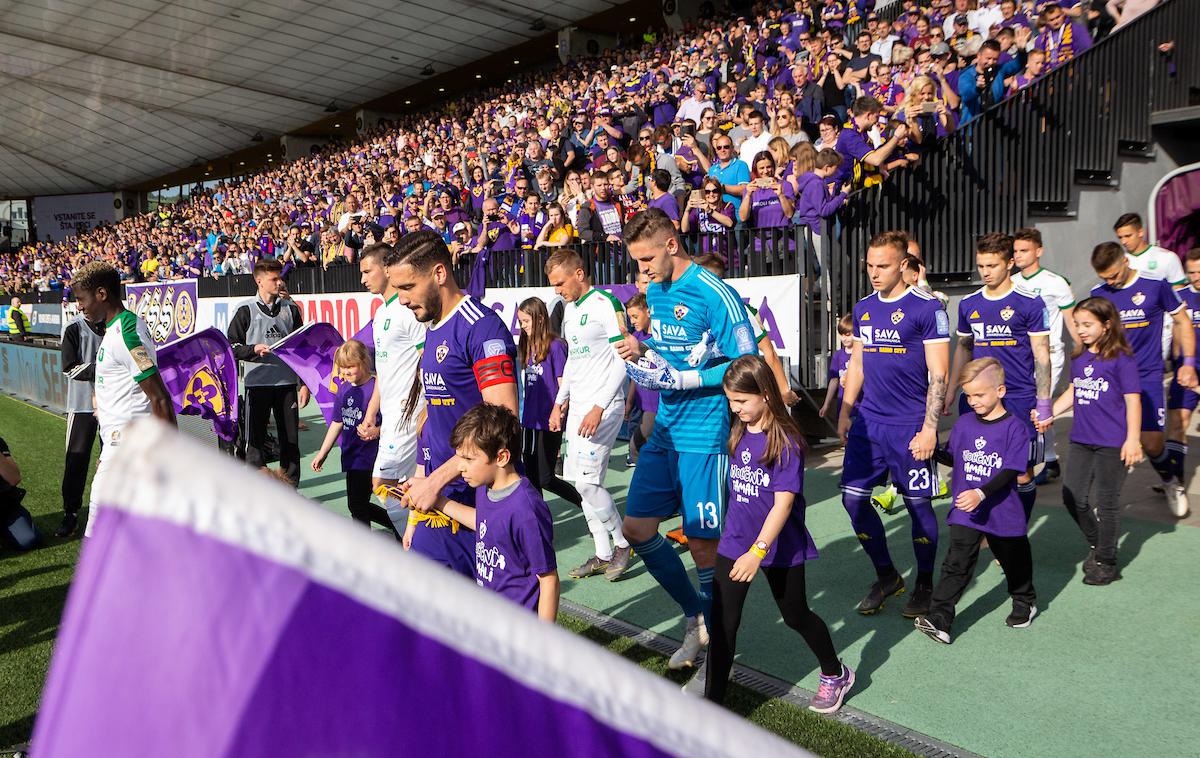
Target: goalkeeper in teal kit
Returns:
[[697, 326]]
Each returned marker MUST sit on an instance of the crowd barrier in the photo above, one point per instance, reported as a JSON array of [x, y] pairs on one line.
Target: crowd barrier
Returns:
[[34, 374]]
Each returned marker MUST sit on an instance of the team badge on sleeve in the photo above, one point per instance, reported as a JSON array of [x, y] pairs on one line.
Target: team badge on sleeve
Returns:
[[745, 341], [493, 347], [141, 358], [942, 323]]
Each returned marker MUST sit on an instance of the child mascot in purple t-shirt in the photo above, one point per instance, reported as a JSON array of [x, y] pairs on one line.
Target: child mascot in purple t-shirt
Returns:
[[987, 450], [764, 528], [352, 363], [1105, 390], [514, 535]]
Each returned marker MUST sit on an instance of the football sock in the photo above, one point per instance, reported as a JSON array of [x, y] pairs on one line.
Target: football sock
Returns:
[[705, 575], [667, 569], [869, 529], [1177, 451], [924, 532], [1162, 464]]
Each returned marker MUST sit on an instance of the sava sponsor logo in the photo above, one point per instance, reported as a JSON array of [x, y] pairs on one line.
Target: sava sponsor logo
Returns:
[[1133, 314], [880, 336], [990, 331], [433, 380], [668, 332]]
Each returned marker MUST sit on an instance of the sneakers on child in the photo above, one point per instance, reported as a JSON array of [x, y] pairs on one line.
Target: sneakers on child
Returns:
[[619, 563], [590, 567], [695, 685], [931, 630], [832, 691], [880, 591], [694, 640], [1022, 615], [1101, 574], [1177, 498], [918, 601]]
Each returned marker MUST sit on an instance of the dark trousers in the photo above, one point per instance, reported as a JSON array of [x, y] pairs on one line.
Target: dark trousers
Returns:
[[81, 433], [729, 597], [358, 500], [959, 569], [1098, 513], [261, 404], [540, 454]]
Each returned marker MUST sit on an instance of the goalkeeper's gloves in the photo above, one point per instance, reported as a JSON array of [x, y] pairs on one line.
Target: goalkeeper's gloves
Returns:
[[654, 373]]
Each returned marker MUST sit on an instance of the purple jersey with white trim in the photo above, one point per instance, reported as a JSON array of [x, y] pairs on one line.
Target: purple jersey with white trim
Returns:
[[462, 355], [981, 450], [1001, 329], [1143, 303], [893, 334], [1191, 299]]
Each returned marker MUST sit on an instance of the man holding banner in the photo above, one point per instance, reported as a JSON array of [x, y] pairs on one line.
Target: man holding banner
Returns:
[[270, 384]]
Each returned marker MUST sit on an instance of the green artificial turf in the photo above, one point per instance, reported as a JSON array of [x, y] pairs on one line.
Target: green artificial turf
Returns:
[[33, 585]]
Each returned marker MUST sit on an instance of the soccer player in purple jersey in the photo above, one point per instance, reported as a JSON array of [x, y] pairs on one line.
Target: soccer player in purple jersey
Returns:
[[1143, 302], [899, 361], [1181, 402], [1013, 326], [468, 360]]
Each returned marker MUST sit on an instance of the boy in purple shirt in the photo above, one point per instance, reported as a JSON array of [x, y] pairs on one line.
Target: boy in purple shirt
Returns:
[[1013, 326], [860, 160], [987, 449], [514, 535]]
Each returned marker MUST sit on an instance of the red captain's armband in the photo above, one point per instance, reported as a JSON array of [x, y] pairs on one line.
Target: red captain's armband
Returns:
[[495, 369]]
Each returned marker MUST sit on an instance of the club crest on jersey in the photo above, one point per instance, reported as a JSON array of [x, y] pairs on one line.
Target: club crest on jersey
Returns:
[[745, 456], [482, 529], [897, 316], [442, 351], [680, 311], [1087, 370], [1138, 298], [980, 443], [1007, 312]]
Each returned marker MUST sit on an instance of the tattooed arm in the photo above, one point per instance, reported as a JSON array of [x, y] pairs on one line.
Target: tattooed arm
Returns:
[[937, 360], [1041, 365], [966, 347]]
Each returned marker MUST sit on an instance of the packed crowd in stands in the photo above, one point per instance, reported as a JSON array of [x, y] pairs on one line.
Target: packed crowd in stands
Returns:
[[763, 120]]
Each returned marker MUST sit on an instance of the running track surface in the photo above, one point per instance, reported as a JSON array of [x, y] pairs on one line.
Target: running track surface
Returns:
[[1101, 668]]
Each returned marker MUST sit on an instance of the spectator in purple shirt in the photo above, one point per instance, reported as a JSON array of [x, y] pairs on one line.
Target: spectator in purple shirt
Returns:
[[814, 201], [660, 196], [1061, 40]]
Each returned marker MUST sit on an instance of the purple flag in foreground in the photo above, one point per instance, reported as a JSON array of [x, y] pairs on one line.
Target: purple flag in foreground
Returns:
[[217, 613], [309, 352], [201, 375]]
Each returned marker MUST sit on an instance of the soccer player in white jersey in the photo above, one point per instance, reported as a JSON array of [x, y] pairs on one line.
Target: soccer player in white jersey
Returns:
[[1149, 259], [398, 340], [128, 385], [593, 391], [1055, 290]]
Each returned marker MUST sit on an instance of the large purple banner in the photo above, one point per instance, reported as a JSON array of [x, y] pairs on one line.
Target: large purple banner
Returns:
[[216, 612], [168, 308]]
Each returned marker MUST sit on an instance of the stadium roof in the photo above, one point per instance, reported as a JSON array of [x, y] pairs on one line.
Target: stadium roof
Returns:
[[101, 94]]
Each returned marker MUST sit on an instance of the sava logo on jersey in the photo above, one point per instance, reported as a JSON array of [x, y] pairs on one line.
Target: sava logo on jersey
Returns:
[[1130, 315], [986, 332], [433, 381], [668, 332], [875, 337]]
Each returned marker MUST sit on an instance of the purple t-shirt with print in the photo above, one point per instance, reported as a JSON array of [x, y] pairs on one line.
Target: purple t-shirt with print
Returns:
[[541, 386], [766, 210], [752, 488], [514, 542], [837, 368], [1100, 387], [667, 204], [981, 450], [357, 454]]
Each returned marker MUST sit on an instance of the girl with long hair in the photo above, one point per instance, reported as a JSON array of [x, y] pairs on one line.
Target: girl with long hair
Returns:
[[1105, 435], [542, 356], [764, 529], [558, 231]]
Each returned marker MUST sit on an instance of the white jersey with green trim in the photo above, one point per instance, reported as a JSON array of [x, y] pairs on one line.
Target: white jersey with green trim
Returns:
[[1158, 262], [126, 357], [399, 338], [595, 373], [1055, 290]]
